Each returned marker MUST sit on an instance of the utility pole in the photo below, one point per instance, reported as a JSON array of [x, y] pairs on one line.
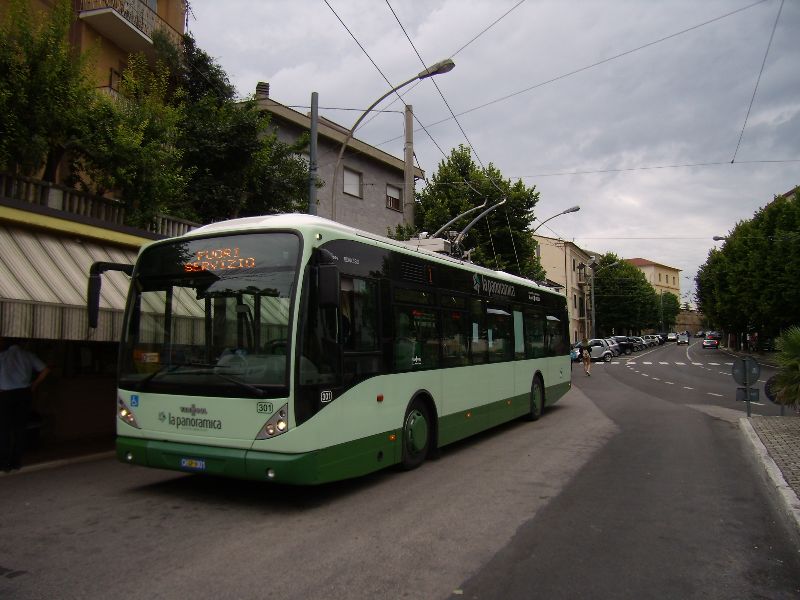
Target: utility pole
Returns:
[[408, 172], [312, 163]]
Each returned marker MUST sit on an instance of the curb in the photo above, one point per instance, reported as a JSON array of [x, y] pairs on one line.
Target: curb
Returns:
[[59, 463], [790, 504]]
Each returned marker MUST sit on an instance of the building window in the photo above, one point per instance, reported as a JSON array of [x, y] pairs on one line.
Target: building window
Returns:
[[352, 183], [573, 264], [673, 280], [575, 300], [659, 277], [393, 198]]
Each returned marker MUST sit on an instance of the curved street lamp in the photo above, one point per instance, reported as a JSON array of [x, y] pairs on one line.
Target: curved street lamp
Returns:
[[571, 209], [443, 66]]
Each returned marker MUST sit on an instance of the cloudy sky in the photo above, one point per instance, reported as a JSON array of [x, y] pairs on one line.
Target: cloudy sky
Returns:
[[633, 110]]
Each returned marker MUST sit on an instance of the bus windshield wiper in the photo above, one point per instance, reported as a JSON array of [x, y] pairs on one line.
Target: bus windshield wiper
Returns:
[[167, 369], [257, 391]]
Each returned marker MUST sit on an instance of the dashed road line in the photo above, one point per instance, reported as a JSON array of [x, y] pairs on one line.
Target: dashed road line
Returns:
[[713, 394]]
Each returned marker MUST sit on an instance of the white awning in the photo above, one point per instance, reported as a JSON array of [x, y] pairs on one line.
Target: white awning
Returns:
[[43, 280]]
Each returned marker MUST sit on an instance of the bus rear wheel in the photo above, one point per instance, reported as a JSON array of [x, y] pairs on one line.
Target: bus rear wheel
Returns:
[[537, 399], [417, 429]]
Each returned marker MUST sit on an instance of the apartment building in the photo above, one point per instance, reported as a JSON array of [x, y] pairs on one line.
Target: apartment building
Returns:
[[566, 266], [663, 278], [369, 190]]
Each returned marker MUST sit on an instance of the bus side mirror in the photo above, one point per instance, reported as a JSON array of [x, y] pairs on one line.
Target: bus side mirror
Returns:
[[93, 300], [93, 289], [328, 282]]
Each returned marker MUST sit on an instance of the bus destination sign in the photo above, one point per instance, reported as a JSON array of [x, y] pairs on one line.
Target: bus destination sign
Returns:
[[218, 259]]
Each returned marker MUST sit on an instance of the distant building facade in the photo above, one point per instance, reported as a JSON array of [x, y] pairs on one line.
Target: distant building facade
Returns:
[[566, 266], [663, 278], [370, 191]]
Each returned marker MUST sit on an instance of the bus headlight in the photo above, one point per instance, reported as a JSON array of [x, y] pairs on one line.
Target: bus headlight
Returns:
[[124, 413], [278, 424]]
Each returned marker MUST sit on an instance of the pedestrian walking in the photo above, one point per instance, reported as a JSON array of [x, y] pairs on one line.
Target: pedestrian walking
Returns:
[[587, 361], [17, 367]]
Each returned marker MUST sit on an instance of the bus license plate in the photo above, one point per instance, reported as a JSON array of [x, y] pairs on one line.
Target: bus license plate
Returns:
[[195, 464]]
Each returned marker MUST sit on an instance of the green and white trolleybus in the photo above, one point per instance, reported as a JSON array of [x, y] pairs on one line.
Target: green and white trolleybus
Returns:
[[294, 349]]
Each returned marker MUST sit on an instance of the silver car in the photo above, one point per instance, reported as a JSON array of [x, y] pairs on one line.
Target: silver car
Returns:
[[600, 350]]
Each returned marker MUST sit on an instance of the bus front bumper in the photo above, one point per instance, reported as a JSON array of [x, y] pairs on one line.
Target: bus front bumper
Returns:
[[212, 460], [351, 459]]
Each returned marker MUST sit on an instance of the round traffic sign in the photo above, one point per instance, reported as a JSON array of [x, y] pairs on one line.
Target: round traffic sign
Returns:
[[746, 370]]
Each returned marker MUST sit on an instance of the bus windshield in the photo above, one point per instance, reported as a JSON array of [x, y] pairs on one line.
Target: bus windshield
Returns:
[[210, 316]]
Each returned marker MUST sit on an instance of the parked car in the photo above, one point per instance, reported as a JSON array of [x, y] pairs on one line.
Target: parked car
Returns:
[[625, 345], [600, 350], [700, 333], [662, 338], [635, 344], [639, 343], [614, 346], [683, 338], [711, 343], [672, 337], [651, 339]]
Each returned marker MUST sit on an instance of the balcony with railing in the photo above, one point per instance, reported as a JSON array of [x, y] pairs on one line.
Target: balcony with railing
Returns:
[[130, 24], [16, 190]]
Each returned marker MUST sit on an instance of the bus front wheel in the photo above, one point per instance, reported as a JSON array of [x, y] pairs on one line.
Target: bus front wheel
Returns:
[[417, 429]]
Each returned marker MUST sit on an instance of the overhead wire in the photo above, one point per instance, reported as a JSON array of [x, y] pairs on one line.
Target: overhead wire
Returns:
[[593, 65], [764, 62], [466, 137], [479, 34]]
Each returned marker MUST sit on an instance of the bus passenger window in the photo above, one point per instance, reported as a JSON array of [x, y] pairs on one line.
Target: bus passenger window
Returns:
[[499, 329], [359, 307], [479, 343], [416, 344], [455, 333], [534, 322]]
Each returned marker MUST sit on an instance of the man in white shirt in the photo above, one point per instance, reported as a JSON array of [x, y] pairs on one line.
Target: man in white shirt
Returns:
[[17, 367]]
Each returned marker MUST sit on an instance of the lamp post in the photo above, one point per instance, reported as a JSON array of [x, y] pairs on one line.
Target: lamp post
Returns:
[[443, 66], [719, 238], [595, 270], [571, 209]]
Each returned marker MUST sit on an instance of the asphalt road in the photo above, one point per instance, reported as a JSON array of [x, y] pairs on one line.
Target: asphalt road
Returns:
[[632, 487], [673, 506]]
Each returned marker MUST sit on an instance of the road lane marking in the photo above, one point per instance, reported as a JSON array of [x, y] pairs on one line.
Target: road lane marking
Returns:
[[680, 363], [669, 383], [698, 364], [656, 379], [661, 362], [713, 394], [647, 363], [686, 387]]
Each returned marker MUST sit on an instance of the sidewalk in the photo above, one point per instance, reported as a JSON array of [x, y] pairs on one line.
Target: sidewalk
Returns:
[[776, 442], [57, 454]]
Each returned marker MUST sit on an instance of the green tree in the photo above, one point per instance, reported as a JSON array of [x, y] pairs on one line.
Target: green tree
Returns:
[[129, 145], [45, 89], [502, 240], [239, 166], [669, 308], [787, 380], [750, 283], [625, 302]]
